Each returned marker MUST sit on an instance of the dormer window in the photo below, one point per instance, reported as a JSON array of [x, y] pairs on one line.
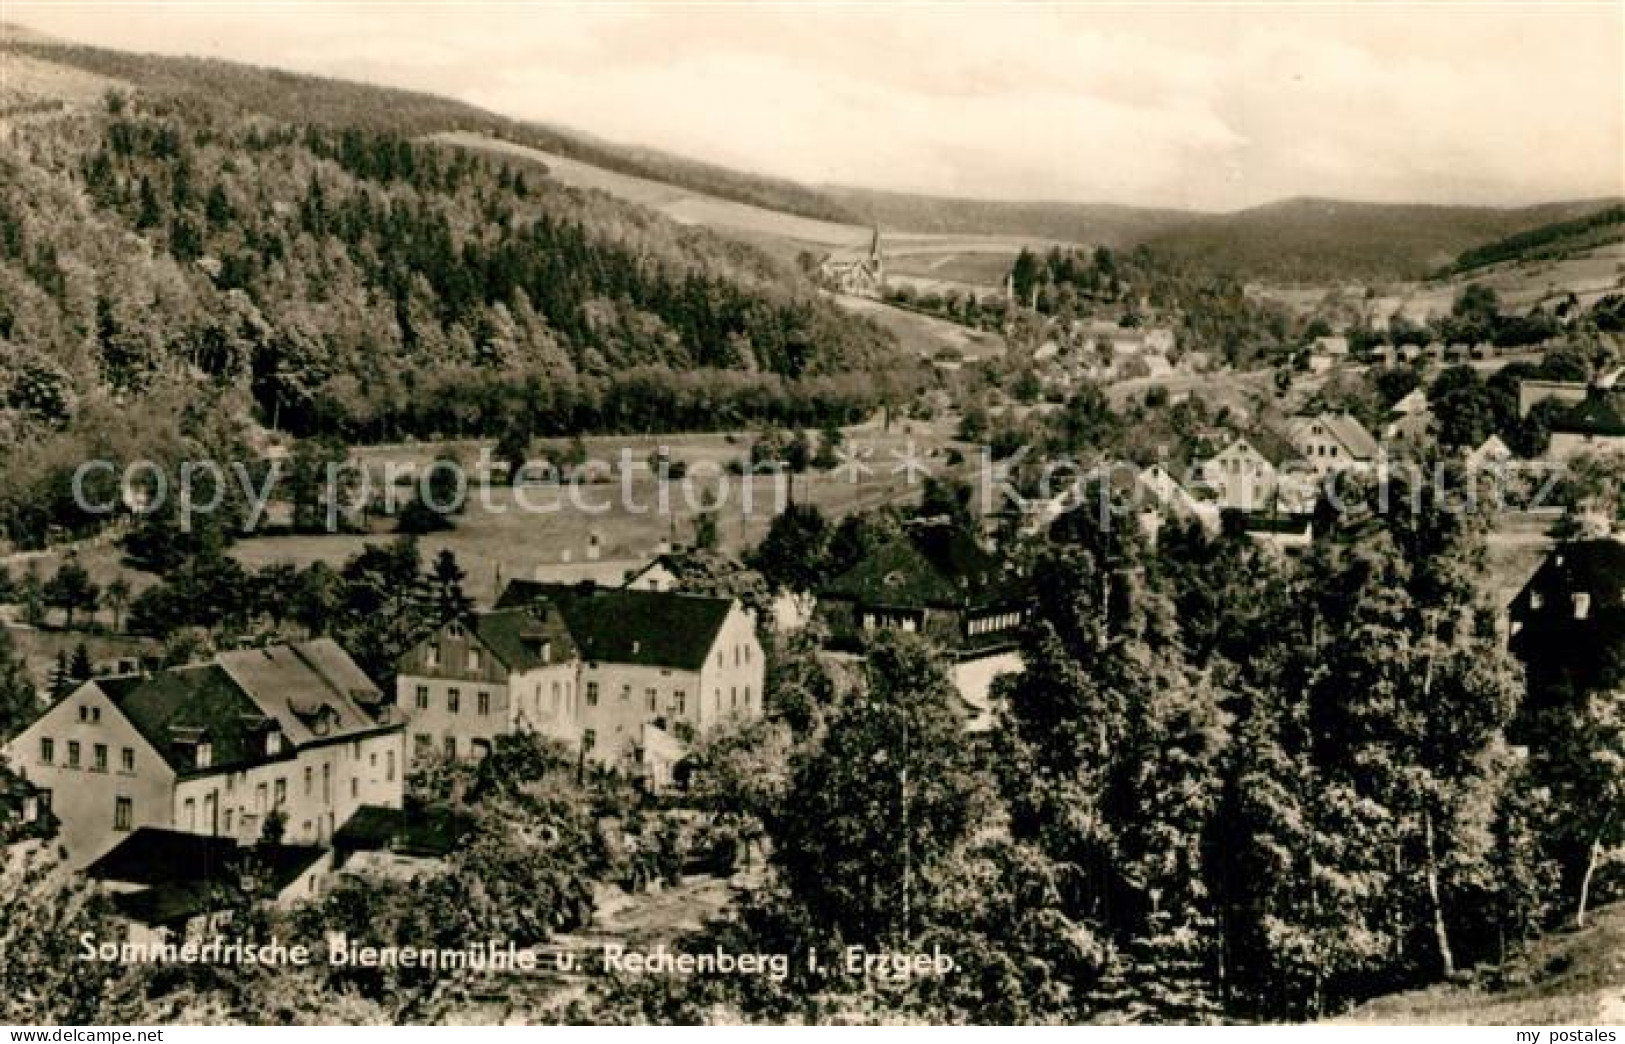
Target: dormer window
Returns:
[[1536, 600], [273, 744], [205, 754], [431, 655], [547, 652], [454, 630], [1582, 605]]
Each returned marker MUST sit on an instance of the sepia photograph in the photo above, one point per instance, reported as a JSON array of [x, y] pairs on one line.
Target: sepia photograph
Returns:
[[819, 514]]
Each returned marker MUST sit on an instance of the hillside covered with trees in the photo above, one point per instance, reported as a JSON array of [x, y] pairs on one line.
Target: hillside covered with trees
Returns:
[[205, 247]]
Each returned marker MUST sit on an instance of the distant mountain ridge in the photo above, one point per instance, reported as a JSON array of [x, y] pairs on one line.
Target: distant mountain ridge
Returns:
[[1296, 240], [1301, 239]]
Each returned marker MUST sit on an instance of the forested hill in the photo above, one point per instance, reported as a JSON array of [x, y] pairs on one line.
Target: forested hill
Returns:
[[1308, 240], [298, 98], [181, 233], [1559, 239]]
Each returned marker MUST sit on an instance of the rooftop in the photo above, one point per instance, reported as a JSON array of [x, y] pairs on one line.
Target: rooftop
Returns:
[[627, 625]]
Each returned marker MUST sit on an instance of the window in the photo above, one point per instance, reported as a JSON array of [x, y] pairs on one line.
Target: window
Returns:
[[431, 655], [454, 700], [1582, 605], [592, 694], [73, 753], [205, 755], [281, 792], [421, 744], [260, 796], [123, 813], [483, 703], [589, 740], [189, 813], [273, 743], [473, 659], [451, 747], [99, 756], [652, 695], [626, 692], [547, 652], [389, 766], [310, 781], [680, 699], [47, 750], [355, 787], [423, 697], [126, 760], [327, 782], [227, 825]]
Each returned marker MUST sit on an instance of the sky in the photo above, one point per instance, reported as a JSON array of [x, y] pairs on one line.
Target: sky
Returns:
[[1214, 106]]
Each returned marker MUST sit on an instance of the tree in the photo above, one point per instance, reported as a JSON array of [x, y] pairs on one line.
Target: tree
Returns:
[[513, 445], [19, 703], [80, 667], [31, 596], [889, 793], [447, 601], [793, 554], [72, 590], [707, 534], [118, 599]]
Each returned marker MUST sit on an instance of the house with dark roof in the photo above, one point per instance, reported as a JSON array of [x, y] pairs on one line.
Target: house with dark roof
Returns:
[[379, 841], [1568, 621], [171, 883], [657, 668], [1594, 425], [489, 674], [216, 748], [937, 581], [934, 580]]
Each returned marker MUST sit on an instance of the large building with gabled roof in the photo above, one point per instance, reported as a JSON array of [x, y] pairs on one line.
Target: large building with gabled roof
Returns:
[[488, 674], [657, 668], [215, 748]]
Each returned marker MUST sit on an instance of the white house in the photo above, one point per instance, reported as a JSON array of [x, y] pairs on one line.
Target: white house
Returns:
[[216, 748]]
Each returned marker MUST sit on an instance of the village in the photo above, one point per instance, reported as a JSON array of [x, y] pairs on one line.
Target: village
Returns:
[[151, 778], [1041, 537]]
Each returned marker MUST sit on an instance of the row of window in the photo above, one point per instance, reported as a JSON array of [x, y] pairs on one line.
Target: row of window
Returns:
[[741, 656], [474, 658], [277, 793], [454, 700], [651, 698], [999, 622], [98, 756]]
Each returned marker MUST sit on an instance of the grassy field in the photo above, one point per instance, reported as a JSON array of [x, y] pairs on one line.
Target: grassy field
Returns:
[[925, 335], [1573, 977], [547, 530]]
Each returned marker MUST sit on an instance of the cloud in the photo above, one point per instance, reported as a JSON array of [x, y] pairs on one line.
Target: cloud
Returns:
[[1208, 105]]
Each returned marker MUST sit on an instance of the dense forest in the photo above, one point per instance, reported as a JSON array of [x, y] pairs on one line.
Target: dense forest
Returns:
[[176, 270], [1554, 240], [294, 98]]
